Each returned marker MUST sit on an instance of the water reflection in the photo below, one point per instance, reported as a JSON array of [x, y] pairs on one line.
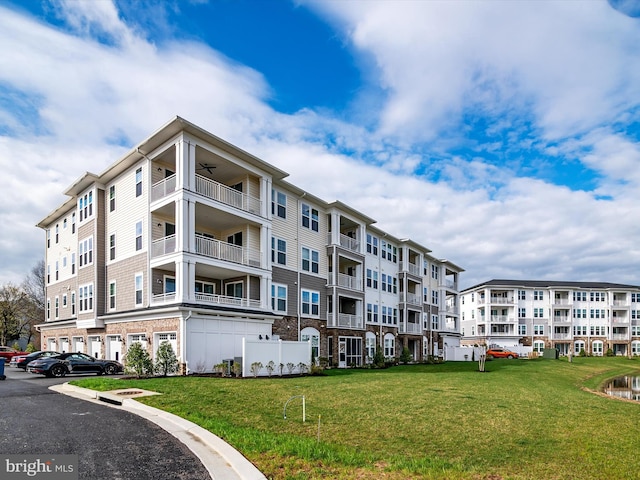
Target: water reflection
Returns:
[[627, 387]]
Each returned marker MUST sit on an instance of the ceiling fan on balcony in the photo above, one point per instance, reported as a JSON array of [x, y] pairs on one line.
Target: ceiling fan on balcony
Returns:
[[206, 166]]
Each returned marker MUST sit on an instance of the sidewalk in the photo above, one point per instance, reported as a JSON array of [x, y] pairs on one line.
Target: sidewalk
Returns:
[[220, 459]]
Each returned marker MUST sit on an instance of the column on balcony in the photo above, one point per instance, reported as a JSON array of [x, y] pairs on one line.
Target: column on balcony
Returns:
[[265, 246], [265, 195], [335, 229], [185, 164], [185, 281]]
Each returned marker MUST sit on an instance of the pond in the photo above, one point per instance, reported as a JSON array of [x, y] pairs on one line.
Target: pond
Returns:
[[627, 386]]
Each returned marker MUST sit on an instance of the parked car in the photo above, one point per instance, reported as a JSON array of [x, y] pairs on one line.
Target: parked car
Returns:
[[21, 361], [501, 353], [65, 363], [7, 353]]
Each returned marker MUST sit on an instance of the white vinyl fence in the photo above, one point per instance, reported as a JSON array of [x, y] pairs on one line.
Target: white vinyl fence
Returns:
[[279, 352]]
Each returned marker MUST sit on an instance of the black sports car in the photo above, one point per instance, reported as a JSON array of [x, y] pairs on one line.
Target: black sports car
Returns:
[[65, 363], [21, 361]]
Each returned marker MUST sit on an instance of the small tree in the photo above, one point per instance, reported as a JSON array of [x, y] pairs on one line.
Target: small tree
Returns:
[[281, 367], [303, 367], [255, 368], [378, 358], [290, 367], [271, 366], [30, 348], [405, 356], [166, 361], [138, 361]]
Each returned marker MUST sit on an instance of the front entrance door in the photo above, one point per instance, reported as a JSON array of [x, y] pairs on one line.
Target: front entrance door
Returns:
[[342, 353]]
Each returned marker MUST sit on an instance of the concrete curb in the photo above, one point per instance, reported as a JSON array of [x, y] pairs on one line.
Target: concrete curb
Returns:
[[222, 461]]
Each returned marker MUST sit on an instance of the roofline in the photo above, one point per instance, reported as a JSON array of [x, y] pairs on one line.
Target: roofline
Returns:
[[552, 284]]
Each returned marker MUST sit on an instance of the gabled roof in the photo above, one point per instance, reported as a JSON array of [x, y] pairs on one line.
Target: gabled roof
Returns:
[[552, 284]]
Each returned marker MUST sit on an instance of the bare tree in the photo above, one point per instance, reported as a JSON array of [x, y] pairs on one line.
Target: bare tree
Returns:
[[35, 288]]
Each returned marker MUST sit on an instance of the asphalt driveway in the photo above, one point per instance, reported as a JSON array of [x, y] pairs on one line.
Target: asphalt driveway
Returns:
[[111, 444]]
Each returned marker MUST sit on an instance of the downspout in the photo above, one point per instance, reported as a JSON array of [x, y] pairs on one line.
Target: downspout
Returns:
[[298, 255], [183, 342]]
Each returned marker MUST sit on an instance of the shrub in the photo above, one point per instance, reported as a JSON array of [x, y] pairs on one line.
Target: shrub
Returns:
[[166, 360], [583, 353], [271, 366], [30, 348], [16, 346], [138, 361], [378, 358], [255, 368], [290, 367], [610, 353], [303, 367], [405, 356]]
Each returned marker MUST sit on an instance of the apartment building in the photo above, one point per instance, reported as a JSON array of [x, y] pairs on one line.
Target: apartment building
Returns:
[[568, 316], [191, 240]]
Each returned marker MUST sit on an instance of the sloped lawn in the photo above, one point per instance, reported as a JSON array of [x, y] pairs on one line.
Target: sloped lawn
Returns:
[[522, 419]]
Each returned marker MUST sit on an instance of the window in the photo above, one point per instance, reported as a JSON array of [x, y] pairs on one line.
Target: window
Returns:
[[64, 262], [48, 238], [57, 270], [310, 260], [57, 307], [112, 295], [139, 182], [389, 346], [522, 294], [86, 252], [578, 347], [112, 246], [372, 279], [390, 284], [48, 273], [309, 217], [234, 289], [434, 297], [57, 232], [139, 235], [205, 287], [598, 330], [138, 289], [278, 204], [635, 297], [538, 330], [353, 351], [372, 244], [538, 346], [370, 346], [278, 251], [372, 313], [85, 295], [48, 308], [64, 300], [522, 313], [579, 313], [597, 296], [434, 272], [112, 198], [522, 329], [635, 330], [597, 348], [310, 303], [73, 264], [73, 222], [579, 330], [279, 298], [538, 313], [597, 313], [579, 296], [425, 295], [73, 303], [635, 348], [169, 284], [85, 206], [435, 322], [389, 251], [538, 295]]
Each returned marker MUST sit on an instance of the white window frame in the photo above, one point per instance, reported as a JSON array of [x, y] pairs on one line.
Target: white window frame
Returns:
[[310, 301], [278, 209], [112, 295], [138, 182], [278, 256], [85, 298], [279, 294], [138, 236], [85, 256], [311, 263], [138, 289], [310, 216]]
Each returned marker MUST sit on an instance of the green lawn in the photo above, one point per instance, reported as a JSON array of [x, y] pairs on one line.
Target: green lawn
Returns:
[[522, 419]]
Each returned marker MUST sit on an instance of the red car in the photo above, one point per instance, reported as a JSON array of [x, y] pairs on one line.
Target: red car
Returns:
[[7, 353], [501, 353]]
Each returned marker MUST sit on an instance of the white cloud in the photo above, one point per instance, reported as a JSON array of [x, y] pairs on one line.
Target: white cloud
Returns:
[[563, 61]]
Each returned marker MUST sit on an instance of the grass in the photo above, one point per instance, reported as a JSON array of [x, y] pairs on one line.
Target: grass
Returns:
[[520, 420]]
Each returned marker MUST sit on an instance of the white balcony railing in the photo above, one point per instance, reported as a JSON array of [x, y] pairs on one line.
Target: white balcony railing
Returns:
[[214, 299], [210, 247], [163, 298], [350, 282], [501, 300], [620, 321], [620, 336], [163, 188], [562, 336], [502, 319], [349, 243], [561, 301], [163, 246], [447, 283], [414, 299], [620, 303], [227, 195], [415, 328], [410, 267], [346, 320]]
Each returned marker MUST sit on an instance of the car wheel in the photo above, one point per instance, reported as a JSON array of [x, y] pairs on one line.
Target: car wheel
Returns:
[[110, 370], [58, 371], [510, 356], [489, 357]]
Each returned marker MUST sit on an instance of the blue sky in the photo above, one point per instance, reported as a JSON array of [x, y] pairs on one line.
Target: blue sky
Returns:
[[502, 135]]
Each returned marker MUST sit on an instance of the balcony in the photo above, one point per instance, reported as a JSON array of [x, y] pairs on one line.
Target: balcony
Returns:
[[350, 282], [562, 336], [163, 188], [620, 336], [412, 268], [348, 243], [561, 301], [163, 246], [448, 283], [452, 309], [620, 321], [228, 252], [558, 319], [345, 320], [502, 319], [414, 299], [620, 303], [163, 298], [501, 300], [227, 195], [414, 328]]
